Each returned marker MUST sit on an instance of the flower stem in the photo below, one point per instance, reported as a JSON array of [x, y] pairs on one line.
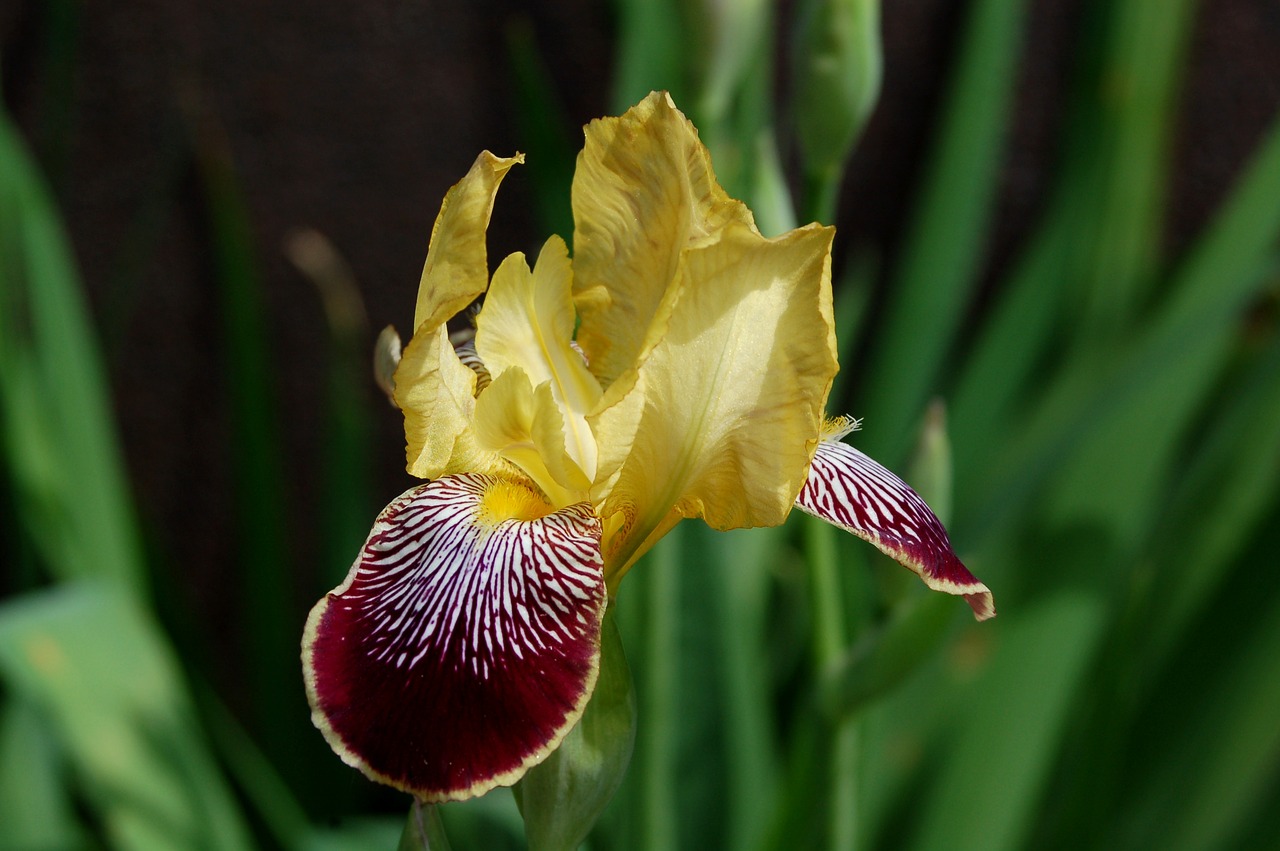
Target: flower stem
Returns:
[[830, 638], [423, 831], [657, 756]]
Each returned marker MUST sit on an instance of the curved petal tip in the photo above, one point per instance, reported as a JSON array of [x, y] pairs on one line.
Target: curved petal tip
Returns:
[[852, 491]]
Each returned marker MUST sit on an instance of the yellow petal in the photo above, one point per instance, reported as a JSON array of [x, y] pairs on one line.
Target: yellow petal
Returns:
[[643, 191], [437, 395], [457, 269], [725, 412], [523, 425], [527, 321]]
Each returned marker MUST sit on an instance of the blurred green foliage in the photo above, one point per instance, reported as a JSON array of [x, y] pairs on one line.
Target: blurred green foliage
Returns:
[[1108, 449]]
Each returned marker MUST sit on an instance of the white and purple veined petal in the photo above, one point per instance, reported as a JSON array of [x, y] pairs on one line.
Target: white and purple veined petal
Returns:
[[850, 490], [463, 644]]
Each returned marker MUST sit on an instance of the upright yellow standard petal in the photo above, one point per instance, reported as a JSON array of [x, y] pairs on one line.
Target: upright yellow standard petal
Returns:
[[457, 268], [730, 401], [644, 190], [527, 321]]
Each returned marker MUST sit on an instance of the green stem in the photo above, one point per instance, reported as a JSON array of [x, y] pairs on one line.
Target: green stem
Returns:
[[830, 638], [658, 699], [423, 831]]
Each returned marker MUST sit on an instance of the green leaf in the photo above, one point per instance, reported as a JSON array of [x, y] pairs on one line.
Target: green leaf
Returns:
[[986, 793], [543, 129], [562, 797], [652, 46], [1123, 407], [881, 660], [256, 456], [942, 249], [1208, 769], [97, 667], [55, 416], [36, 806]]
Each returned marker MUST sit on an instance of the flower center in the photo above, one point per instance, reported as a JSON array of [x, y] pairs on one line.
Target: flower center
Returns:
[[505, 500]]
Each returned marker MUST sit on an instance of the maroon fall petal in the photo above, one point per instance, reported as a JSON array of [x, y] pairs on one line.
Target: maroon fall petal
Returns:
[[848, 489], [462, 647]]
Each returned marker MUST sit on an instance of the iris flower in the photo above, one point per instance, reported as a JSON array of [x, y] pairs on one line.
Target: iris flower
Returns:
[[676, 367]]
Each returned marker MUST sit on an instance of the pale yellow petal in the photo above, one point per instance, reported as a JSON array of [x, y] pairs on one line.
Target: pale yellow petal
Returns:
[[456, 269], [527, 321], [725, 412], [523, 425], [644, 190], [437, 395]]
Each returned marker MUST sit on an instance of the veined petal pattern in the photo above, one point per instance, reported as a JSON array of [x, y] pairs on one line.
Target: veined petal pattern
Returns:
[[464, 643], [852, 491]]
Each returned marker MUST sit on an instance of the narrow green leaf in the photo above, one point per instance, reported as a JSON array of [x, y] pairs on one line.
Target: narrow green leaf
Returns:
[[36, 806], [726, 38], [652, 46], [260, 493], [99, 668], [543, 129], [986, 793], [659, 698], [1220, 496], [1136, 89], [884, 658], [1130, 403], [262, 785], [741, 561], [54, 409], [1218, 765], [347, 497], [942, 250]]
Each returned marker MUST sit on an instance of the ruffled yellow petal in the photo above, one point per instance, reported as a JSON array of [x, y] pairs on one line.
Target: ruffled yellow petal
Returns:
[[527, 321], [457, 268], [524, 426], [643, 191], [723, 416]]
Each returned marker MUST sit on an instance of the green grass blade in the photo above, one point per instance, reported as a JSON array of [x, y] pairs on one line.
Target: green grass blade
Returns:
[[54, 408], [986, 793], [942, 249], [543, 129], [98, 667], [740, 562], [652, 46], [348, 502], [262, 785], [256, 456], [649, 619], [1124, 408], [36, 806], [1203, 772]]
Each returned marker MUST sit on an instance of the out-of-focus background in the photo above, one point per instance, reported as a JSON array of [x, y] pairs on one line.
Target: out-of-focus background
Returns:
[[1057, 270]]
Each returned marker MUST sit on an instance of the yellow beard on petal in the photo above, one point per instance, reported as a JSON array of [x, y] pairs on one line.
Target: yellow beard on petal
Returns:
[[504, 501]]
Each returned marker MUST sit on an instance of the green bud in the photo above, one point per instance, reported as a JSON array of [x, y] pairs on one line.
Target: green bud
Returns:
[[838, 65]]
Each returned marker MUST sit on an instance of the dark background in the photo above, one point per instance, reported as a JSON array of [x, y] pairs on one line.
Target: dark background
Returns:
[[354, 120]]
